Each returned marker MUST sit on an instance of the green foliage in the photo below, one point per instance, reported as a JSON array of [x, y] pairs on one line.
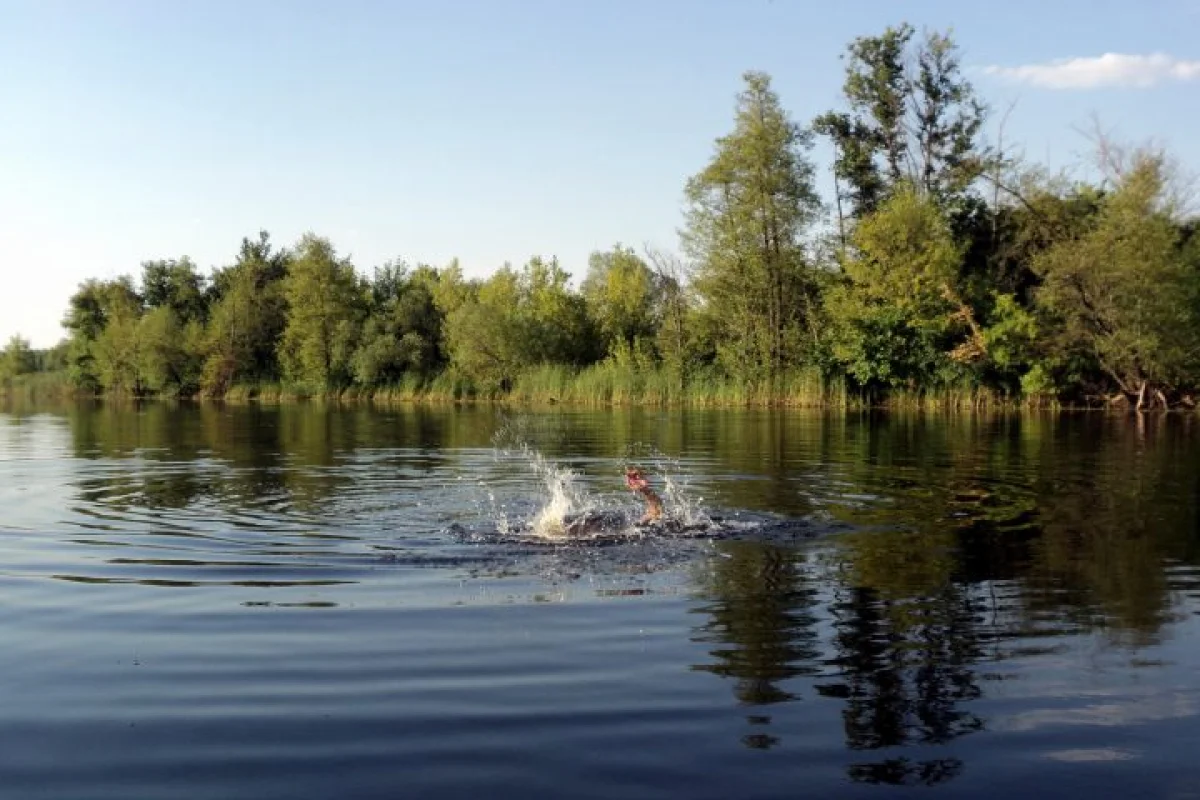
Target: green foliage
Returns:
[[118, 354], [1037, 381], [893, 315], [451, 290], [175, 285], [869, 140], [17, 358], [620, 297], [170, 353], [747, 211], [325, 312], [484, 335], [115, 353], [96, 357], [1121, 291], [248, 315], [1010, 344], [402, 332], [554, 319], [912, 119], [54, 359], [517, 320]]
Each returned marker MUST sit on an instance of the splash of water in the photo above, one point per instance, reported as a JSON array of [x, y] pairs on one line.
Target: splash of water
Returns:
[[565, 497], [682, 507], [679, 503]]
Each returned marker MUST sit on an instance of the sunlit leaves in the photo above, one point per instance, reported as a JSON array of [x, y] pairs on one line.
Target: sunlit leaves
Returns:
[[747, 212], [1121, 291], [325, 310]]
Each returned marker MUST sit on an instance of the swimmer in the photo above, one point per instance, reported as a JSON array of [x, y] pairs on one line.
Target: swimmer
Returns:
[[635, 479], [598, 522]]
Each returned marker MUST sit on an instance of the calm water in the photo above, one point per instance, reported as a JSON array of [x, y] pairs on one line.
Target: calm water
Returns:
[[304, 603]]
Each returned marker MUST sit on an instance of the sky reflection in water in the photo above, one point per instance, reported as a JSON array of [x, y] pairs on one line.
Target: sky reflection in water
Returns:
[[302, 601]]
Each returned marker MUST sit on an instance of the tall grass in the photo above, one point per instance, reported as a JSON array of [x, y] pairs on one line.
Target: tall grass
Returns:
[[446, 387], [37, 386], [613, 384], [267, 392], [610, 383]]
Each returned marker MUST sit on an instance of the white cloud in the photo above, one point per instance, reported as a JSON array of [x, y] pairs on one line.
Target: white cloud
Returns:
[[1108, 70]]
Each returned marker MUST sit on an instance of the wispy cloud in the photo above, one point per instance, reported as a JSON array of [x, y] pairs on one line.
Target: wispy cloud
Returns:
[[1108, 70]]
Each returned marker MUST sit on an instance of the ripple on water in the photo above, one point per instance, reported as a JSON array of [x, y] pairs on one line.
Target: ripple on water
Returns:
[[294, 603]]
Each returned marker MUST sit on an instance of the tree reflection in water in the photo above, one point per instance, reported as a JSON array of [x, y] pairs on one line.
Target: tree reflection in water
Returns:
[[762, 625], [901, 655], [905, 675], [1001, 543], [978, 538]]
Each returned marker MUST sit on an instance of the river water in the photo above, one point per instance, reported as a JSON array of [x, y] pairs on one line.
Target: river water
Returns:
[[307, 602]]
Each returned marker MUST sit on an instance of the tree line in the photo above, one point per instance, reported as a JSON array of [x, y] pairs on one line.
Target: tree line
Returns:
[[940, 264]]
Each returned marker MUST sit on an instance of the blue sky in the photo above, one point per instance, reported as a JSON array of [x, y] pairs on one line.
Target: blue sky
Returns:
[[490, 130]]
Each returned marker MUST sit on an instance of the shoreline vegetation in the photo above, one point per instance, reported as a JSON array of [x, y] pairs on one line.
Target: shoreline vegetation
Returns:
[[944, 272], [589, 388]]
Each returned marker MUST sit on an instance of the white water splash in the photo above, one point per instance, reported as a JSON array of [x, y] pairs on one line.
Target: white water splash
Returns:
[[550, 520], [564, 498], [498, 512], [679, 504], [680, 507]]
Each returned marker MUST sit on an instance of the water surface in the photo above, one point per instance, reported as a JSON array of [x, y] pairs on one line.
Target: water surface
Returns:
[[295, 602]]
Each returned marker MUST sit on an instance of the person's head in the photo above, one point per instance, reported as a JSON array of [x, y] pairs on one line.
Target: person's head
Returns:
[[635, 478]]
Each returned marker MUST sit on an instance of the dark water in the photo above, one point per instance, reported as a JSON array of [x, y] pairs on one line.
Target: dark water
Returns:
[[205, 602]]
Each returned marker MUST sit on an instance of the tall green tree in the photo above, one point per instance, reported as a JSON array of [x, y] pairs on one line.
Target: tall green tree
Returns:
[[869, 139], [897, 314], [911, 116], [557, 329], [519, 319], [170, 354], [118, 348], [100, 358], [1122, 291], [674, 302], [177, 285], [247, 318], [748, 210], [325, 312], [403, 329], [83, 321], [452, 289], [484, 333]]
